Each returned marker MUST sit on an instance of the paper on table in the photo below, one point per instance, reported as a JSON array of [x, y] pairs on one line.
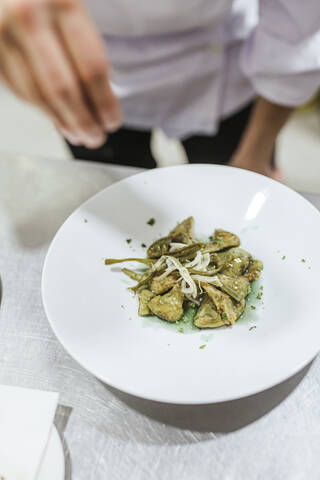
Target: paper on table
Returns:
[[26, 418]]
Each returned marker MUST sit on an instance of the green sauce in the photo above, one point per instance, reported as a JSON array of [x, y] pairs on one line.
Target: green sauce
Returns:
[[184, 326]]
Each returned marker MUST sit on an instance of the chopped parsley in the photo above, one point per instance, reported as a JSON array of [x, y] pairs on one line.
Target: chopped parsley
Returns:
[[143, 245], [151, 222], [202, 346], [122, 306], [85, 220], [303, 260], [259, 296], [129, 240], [181, 330], [283, 257], [224, 316], [260, 267], [211, 238], [253, 307], [217, 240], [252, 328], [261, 288]]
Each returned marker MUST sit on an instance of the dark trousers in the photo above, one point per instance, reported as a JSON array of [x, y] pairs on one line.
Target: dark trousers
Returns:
[[132, 147]]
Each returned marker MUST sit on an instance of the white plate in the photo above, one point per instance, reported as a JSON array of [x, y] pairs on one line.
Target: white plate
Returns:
[[83, 298], [52, 466]]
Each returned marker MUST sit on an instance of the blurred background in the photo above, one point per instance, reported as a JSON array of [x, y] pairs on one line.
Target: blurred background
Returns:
[[24, 130]]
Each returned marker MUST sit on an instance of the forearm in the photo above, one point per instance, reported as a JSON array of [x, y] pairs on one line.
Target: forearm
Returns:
[[264, 125]]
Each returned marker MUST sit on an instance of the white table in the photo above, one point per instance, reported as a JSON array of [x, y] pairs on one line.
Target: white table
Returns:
[[109, 435]]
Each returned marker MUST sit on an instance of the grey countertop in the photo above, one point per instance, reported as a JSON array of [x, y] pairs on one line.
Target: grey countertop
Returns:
[[108, 434]]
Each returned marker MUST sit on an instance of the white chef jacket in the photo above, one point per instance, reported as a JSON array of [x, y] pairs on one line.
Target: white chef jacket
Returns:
[[182, 65]]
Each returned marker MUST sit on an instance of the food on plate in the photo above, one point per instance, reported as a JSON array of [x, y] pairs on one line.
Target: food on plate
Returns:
[[181, 271]]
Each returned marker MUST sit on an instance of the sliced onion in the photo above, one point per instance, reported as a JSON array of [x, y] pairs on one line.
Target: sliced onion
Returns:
[[166, 273], [200, 262], [193, 300], [174, 246], [205, 261], [158, 263], [195, 261], [186, 289], [202, 278], [189, 287]]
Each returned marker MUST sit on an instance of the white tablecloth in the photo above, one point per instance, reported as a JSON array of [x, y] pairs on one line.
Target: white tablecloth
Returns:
[[108, 434]]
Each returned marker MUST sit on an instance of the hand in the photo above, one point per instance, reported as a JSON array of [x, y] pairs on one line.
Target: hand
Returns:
[[263, 167], [258, 141], [52, 56]]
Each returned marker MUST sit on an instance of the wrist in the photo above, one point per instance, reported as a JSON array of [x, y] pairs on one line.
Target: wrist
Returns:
[[254, 153], [258, 142]]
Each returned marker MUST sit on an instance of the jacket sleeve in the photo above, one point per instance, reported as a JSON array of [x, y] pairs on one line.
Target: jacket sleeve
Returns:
[[282, 55]]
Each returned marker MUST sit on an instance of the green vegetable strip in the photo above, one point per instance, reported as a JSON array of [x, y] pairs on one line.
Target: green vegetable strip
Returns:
[[205, 274], [112, 261], [188, 250]]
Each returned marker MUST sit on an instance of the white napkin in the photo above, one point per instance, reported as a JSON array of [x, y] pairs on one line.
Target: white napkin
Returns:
[[26, 419]]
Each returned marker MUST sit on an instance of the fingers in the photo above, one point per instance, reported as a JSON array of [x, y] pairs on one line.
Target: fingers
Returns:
[[56, 79], [59, 85], [15, 73], [57, 61], [89, 58]]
